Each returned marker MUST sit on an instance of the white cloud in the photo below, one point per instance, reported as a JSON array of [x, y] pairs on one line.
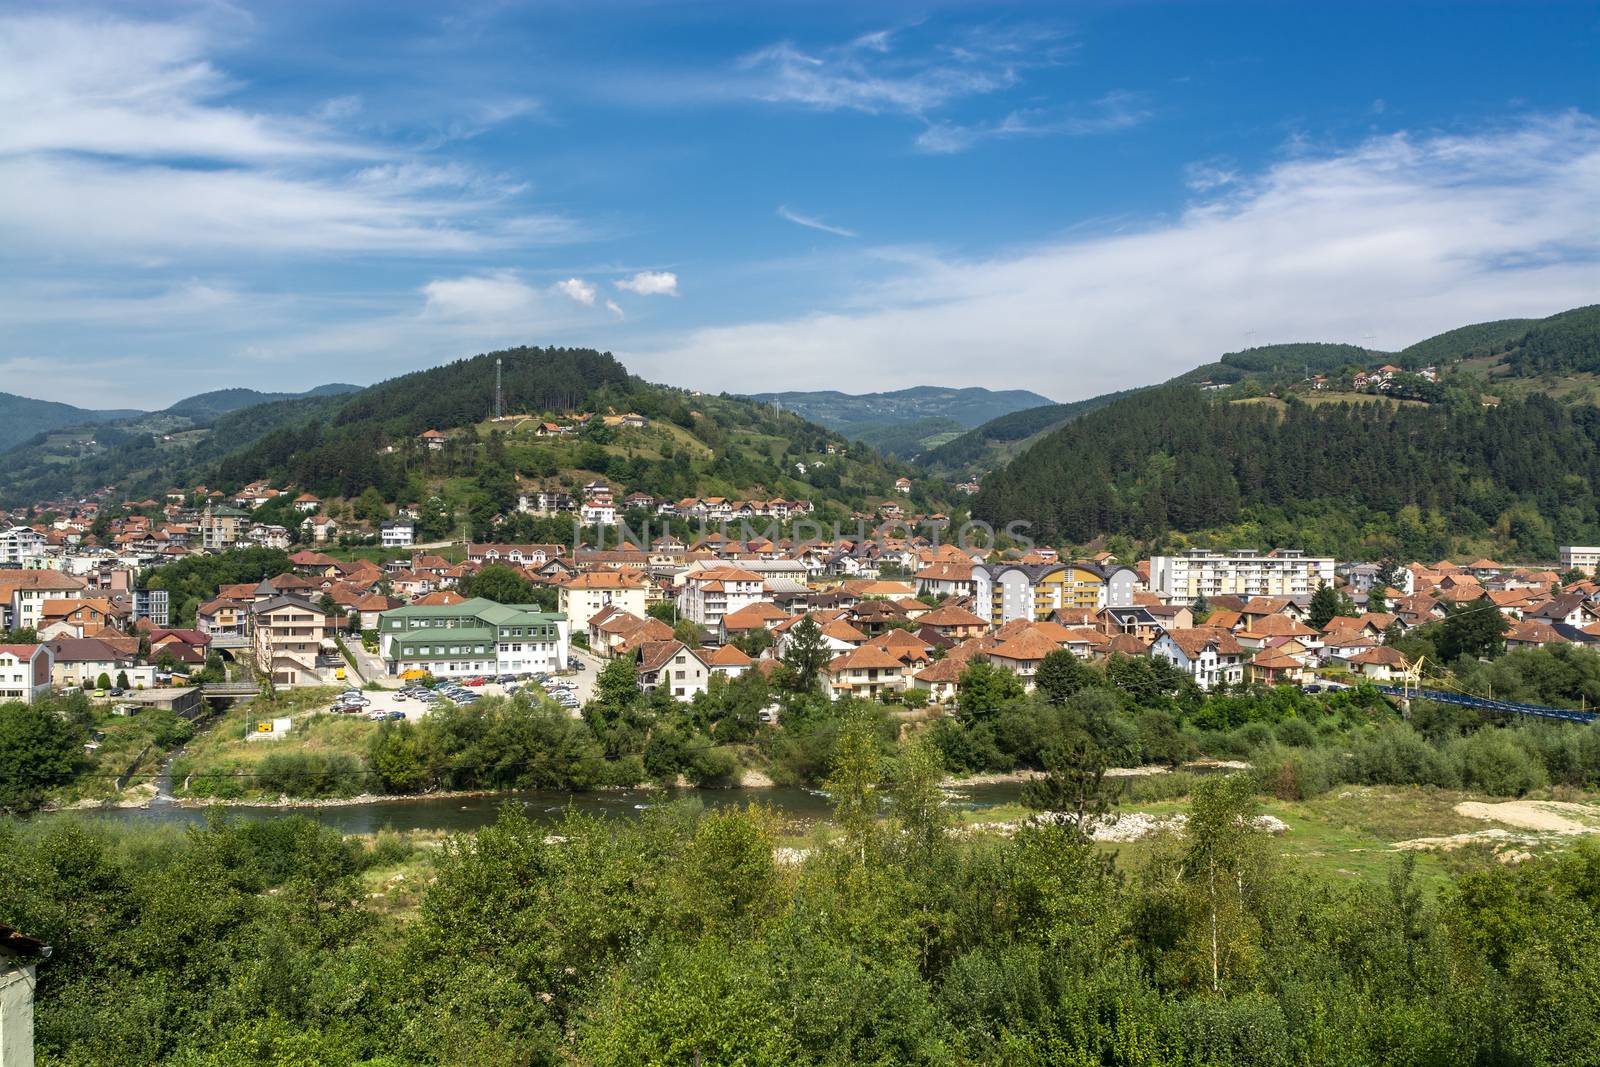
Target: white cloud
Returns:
[[1398, 238], [615, 309], [650, 283], [139, 89], [117, 137], [493, 297], [811, 222], [577, 289]]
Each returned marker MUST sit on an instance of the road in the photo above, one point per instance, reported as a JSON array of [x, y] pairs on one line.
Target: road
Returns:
[[586, 677]]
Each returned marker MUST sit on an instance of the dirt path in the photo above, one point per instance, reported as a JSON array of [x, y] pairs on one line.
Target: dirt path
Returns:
[[1543, 816]]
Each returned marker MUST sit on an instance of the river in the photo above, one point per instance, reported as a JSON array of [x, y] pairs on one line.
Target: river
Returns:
[[455, 814]]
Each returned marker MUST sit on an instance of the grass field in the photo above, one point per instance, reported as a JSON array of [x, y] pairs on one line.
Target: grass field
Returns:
[[224, 748], [1317, 399], [1353, 832]]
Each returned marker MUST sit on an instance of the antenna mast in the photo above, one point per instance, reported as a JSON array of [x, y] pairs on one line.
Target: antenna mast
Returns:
[[498, 411]]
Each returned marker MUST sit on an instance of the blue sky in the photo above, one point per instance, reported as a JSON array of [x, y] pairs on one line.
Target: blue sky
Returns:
[[1066, 198]]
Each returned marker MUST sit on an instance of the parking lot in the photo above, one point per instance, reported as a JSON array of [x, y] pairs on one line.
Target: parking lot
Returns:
[[577, 684]]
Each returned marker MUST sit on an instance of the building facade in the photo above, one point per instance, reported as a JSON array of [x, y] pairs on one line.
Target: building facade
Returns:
[[472, 637], [25, 672], [1580, 557], [286, 635], [1242, 572]]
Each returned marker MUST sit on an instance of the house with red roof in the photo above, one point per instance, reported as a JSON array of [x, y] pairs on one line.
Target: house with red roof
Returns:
[[25, 672]]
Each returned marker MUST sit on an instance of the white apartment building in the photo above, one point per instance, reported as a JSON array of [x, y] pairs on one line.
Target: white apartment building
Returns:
[[1241, 572], [398, 533], [1584, 559], [710, 594], [287, 632], [18, 542], [582, 596], [23, 593]]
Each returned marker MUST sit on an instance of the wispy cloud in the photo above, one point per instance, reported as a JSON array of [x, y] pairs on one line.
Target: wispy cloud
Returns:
[[650, 283], [896, 72], [1397, 238], [117, 135], [1115, 111], [813, 223]]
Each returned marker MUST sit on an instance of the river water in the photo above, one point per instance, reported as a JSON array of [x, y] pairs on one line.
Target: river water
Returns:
[[457, 814]]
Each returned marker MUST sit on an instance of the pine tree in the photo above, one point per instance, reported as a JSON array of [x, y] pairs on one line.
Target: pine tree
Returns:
[[806, 653]]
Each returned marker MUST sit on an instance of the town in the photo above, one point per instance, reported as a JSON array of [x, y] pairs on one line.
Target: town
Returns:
[[725, 535], [899, 614]]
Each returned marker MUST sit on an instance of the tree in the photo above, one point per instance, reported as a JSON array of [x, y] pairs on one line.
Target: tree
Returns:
[[499, 583], [1074, 781], [919, 802], [1200, 609], [1221, 859], [754, 641], [853, 783], [805, 654], [1061, 674], [1377, 600], [983, 688], [370, 506], [122, 680], [1389, 573], [103, 682], [39, 747], [1326, 603], [1477, 630], [617, 683]]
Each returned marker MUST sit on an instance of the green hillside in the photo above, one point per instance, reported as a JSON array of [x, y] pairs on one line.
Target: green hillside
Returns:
[[909, 440], [1468, 342], [857, 415], [1375, 478], [23, 417], [1000, 439], [694, 444], [204, 407], [143, 455]]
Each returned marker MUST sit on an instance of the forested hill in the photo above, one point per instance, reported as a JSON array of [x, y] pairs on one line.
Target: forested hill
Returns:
[[1558, 356], [693, 445], [855, 414], [1409, 479], [21, 417], [203, 407], [985, 442]]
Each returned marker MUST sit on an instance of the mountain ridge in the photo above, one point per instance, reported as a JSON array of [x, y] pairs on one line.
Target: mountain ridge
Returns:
[[857, 414]]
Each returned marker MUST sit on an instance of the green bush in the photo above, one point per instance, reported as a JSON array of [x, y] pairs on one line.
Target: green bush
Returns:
[[1492, 762], [1296, 774], [1296, 732], [1397, 755], [309, 774]]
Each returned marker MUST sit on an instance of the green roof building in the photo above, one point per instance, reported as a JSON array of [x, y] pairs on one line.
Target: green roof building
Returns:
[[472, 637]]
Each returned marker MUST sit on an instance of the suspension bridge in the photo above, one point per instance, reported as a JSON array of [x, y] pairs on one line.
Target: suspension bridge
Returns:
[[1466, 700]]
